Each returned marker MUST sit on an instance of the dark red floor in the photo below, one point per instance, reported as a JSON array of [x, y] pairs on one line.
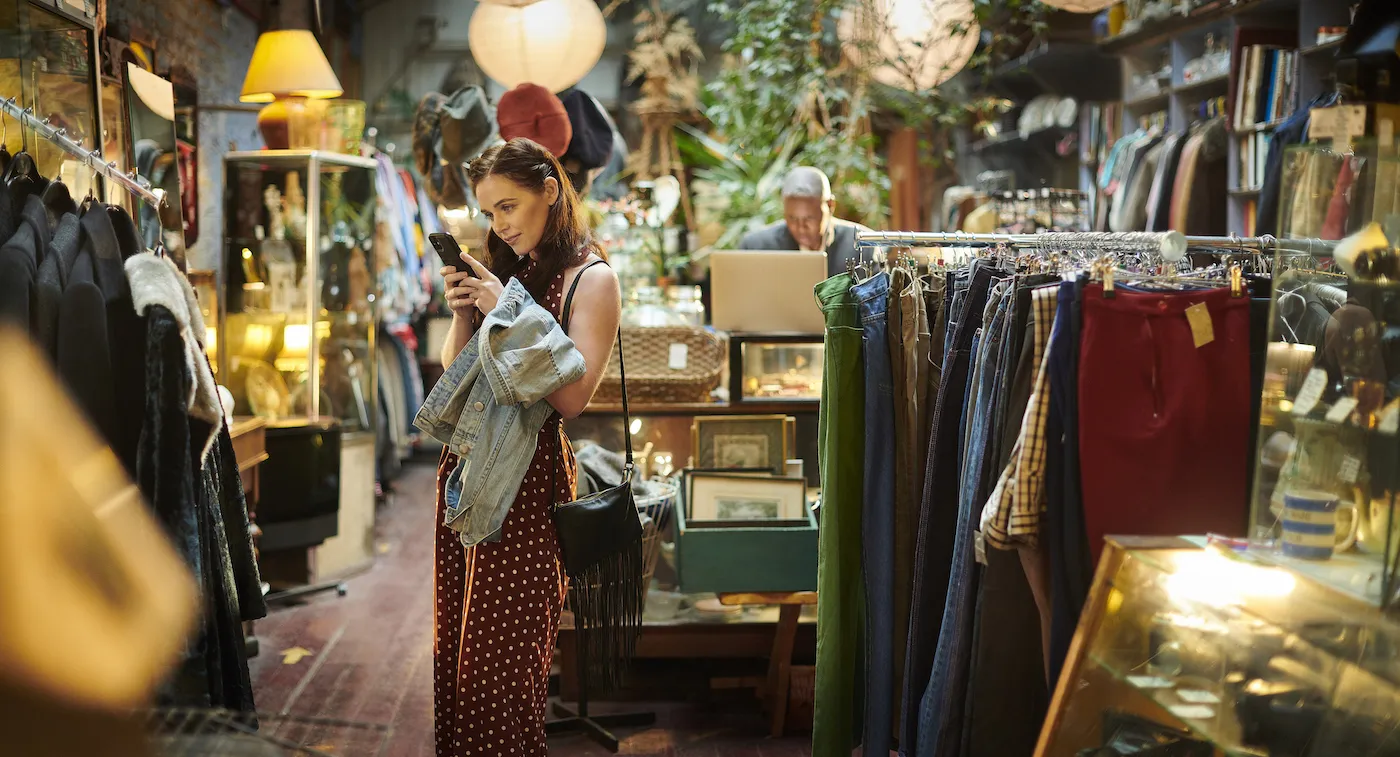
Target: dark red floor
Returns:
[[371, 653]]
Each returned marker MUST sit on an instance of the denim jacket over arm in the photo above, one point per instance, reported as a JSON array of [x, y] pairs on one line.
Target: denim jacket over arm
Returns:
[[489, 407]]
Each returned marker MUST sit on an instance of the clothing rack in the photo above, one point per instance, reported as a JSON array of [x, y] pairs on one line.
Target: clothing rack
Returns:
[[91, 158], [1170, 246]]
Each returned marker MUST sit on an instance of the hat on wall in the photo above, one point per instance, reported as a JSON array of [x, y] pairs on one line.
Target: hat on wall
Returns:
[[592, 142], [448, 131], [533, 112]]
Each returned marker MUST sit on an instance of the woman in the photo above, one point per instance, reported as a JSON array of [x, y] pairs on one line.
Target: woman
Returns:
[[498, 603]]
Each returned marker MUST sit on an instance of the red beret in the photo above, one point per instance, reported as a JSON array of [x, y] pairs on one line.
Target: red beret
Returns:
[[533, 112]]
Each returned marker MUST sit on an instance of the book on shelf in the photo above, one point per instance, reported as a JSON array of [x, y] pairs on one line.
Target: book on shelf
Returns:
[[1253, 153], [1267, 86]]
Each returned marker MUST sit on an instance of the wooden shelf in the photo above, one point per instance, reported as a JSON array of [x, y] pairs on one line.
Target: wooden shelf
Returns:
[[1191, 86], [1163, 30], [1322, 50], [1256, 128], [1042, 139], [1160, 100], [767, 407]]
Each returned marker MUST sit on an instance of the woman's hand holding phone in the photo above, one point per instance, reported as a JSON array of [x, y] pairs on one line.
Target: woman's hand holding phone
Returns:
[[473, 288]]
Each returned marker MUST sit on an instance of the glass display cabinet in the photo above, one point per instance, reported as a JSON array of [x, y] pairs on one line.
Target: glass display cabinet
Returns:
[[775, 367], [1193, 651], [48, 64], [1328, 465], [297, 316]]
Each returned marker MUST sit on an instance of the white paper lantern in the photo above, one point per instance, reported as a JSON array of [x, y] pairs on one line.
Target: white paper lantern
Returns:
[[552, 43], [1079, 6], [915, 40]]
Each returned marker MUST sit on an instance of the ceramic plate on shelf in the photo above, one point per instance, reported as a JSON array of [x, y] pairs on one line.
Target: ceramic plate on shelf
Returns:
[[1066, 112]]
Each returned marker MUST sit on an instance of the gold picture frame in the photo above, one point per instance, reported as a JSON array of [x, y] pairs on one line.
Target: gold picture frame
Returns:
[[741, 441], [728, 497]]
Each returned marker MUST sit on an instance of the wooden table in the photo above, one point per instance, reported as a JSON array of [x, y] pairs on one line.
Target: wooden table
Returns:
[[249, 436], [775, 635], [774, 693]]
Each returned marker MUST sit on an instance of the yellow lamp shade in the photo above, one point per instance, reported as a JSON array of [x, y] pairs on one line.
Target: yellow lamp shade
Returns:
[[552, 43], [912, 44], [1079, 6], [289, 63]]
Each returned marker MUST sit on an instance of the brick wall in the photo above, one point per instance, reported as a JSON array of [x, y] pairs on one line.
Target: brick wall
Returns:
[[214, 44]]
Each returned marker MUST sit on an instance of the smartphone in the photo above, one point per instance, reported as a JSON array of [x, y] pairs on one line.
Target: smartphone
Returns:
[[449, 252]]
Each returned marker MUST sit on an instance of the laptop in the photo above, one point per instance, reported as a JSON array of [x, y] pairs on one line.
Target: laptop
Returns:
[[766, 291]]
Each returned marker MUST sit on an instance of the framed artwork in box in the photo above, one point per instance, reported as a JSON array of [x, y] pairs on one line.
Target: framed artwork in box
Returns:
[[741, 441], [686, 473], [727, 497]]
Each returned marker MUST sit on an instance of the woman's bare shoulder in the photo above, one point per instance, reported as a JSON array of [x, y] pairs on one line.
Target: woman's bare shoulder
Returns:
[[597, 280]]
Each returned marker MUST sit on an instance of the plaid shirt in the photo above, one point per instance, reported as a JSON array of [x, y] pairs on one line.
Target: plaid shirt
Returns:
[[1013, 511]]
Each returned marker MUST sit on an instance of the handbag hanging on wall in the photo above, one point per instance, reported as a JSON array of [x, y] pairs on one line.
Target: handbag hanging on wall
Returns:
[[600, 539]]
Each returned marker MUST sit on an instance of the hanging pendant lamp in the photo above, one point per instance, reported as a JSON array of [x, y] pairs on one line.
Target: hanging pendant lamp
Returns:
[[913, 44], [552, 43]]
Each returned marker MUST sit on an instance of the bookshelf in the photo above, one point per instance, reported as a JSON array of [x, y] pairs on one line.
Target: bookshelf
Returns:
[[1276, 63]]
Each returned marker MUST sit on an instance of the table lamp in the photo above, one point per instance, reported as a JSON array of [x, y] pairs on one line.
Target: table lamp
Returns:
[[288, 68]]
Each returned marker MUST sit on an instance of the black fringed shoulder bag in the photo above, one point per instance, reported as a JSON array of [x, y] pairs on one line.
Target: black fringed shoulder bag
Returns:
[[600, 539]]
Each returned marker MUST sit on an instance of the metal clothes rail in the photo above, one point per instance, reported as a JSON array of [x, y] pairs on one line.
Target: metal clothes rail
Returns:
[[1169, 245], [91, 158]]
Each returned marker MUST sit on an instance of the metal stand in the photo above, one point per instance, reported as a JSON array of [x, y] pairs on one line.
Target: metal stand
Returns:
[[594, 727], [276, 597]]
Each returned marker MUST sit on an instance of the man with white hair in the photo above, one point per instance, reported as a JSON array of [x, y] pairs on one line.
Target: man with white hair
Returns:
[[808, 223]]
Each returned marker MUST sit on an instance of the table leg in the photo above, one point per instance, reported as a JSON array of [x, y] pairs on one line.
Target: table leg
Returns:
[[780, 666]]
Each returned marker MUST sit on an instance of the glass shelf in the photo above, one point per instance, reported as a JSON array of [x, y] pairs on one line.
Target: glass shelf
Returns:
[[298, 283]]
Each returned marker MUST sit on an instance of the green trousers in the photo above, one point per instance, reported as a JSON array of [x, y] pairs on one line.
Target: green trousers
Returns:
[[840, 597]]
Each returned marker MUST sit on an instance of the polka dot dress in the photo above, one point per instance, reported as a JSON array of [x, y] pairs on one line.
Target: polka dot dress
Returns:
[[498, 607]]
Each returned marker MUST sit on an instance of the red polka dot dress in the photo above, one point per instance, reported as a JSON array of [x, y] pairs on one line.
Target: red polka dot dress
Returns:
[[498, 607]]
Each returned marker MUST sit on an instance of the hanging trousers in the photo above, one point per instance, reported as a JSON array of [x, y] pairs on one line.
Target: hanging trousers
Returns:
[[938, 512], [1063, 534], [840, 434], [1164, 413], [1006, 695], [878, 516], [909, 355], [942, 710]]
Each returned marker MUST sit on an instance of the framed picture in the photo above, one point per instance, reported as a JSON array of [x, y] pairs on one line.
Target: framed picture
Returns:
[[741, 441], [686, 473], [729, 497]]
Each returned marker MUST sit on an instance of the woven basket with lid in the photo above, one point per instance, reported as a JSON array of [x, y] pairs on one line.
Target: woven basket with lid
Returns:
[[653, 375]]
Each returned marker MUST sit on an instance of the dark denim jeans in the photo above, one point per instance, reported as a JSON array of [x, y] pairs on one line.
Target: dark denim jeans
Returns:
[[877, 520], [942, 708], [938, 514], [1064, 534]]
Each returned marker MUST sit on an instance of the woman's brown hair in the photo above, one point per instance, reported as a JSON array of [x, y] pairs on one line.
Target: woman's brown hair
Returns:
[[565, 242]]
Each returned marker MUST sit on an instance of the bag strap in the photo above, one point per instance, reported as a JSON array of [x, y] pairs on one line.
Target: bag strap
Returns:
[[621, 365]]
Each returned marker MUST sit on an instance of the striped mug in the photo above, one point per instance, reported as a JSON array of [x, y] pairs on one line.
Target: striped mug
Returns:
[[1310, 524]]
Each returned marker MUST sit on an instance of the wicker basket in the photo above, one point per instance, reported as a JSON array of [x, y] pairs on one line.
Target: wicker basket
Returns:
[[650, 377]]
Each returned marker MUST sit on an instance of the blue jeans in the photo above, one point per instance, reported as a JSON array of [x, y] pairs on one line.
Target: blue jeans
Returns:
[[943, 705], [938, 513], [877, 519]]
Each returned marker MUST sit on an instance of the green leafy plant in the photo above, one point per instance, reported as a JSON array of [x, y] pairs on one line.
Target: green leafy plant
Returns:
[[782, 98]]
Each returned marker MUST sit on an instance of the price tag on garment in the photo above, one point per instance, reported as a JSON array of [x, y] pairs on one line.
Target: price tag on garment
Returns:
[[679, 358], [1311, 393], [1202, 329], [1341, 410], [1350, 470], [1322, 124]]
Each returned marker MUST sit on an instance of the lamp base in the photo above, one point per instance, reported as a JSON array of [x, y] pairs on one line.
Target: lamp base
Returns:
[[275, 121]]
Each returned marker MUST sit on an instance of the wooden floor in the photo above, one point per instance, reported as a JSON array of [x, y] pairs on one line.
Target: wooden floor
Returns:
[[368, 660]]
